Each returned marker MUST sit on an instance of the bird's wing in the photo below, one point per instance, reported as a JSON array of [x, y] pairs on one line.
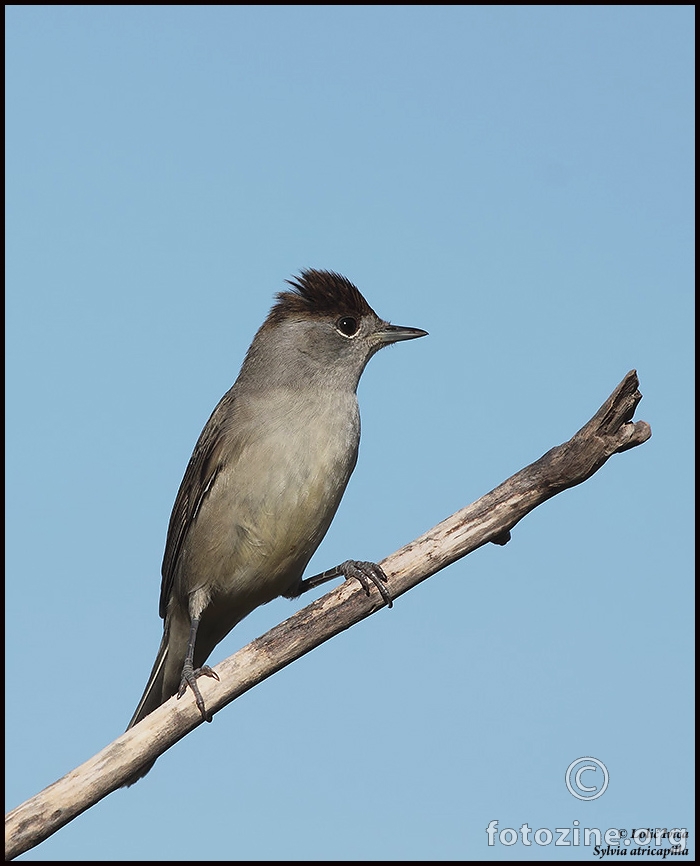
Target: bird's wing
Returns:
[[205, 463]]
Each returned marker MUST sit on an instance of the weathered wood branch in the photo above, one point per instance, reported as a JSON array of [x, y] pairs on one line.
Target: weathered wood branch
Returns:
[[610, 431]]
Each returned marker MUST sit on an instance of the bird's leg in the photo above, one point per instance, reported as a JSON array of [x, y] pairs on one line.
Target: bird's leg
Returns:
[[189, 674], [368, 574]]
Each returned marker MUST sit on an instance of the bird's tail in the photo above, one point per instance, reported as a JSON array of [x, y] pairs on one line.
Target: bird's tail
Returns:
[[153, 693], [151, 699]]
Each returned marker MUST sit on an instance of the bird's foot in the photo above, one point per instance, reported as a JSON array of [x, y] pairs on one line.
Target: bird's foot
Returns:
[[189, 678], [369, 574]]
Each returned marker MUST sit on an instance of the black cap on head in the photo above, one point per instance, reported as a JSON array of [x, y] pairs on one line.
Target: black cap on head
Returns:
[[319, 293]]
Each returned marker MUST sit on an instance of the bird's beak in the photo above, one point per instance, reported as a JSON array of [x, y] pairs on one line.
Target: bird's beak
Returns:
[[396, 333]]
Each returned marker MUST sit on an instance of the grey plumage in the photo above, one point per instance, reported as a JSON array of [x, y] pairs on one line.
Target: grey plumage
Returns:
[[266, 476]]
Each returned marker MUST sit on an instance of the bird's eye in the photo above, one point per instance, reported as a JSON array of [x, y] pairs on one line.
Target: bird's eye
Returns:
[[347, 326]]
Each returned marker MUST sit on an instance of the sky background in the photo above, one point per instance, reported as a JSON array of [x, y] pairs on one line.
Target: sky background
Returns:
[[515, 180]]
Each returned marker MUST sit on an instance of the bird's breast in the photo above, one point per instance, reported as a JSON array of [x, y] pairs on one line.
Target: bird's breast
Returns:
[[288, 460]]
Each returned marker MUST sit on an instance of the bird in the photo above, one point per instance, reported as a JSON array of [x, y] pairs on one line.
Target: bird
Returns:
[[266, 477]]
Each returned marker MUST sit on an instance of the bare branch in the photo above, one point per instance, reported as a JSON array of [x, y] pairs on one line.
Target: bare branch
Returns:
[[610, 431]]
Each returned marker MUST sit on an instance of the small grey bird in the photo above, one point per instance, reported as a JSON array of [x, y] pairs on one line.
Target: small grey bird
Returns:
[[266, 478]]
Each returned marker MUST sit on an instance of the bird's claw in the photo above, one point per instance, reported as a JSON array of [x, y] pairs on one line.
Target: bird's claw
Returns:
[[189, 678], [368, 574]]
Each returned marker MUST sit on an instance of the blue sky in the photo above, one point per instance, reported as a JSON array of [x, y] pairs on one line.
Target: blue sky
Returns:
[[515, 180]]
